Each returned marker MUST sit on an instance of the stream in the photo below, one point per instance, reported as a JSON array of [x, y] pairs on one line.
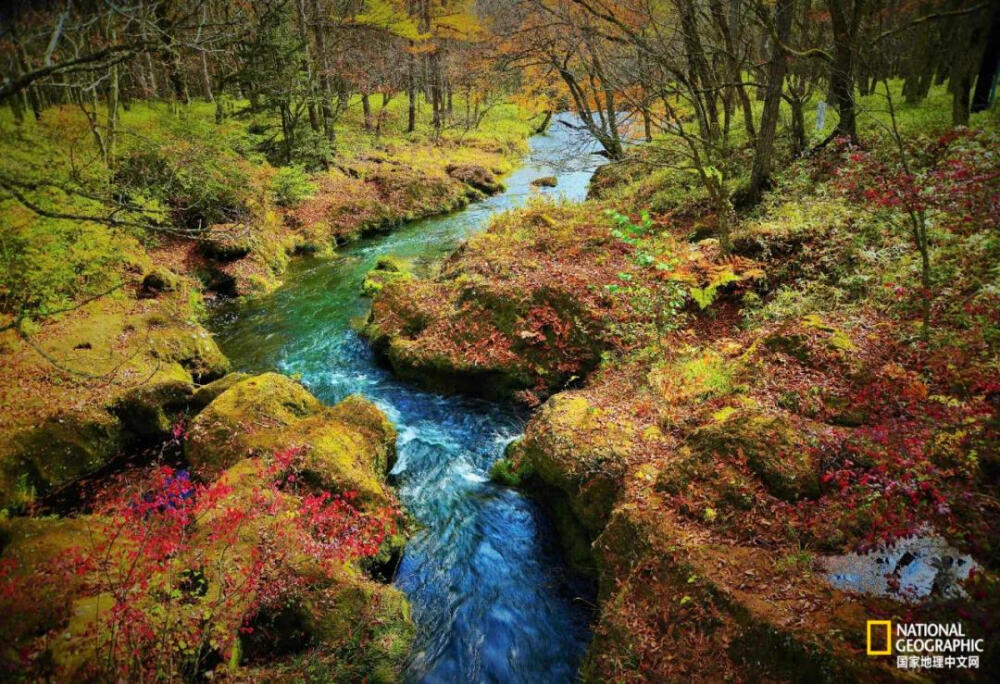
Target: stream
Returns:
[[491, 598]]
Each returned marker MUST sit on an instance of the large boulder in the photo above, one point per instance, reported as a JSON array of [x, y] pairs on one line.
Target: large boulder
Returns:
[[148, 412], [206, 394], [349, 447], [234, 423], [34, 607], [59, 450]]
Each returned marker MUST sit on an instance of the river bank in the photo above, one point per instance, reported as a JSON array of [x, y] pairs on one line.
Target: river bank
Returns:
[[714, 431]]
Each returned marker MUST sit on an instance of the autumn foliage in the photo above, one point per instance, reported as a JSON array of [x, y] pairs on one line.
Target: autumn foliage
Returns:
[[173, 572]]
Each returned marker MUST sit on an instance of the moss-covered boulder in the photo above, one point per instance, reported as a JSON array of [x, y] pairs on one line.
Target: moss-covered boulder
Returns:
[[349, 447], [476, 177], [386, 269], [226, 242], [61, 449], [27, 543], [368, 625], [369, 421], [158, 281], [147, 412], [775, 448], [225, 431], [188, 344], [545, 182], [574, 448], [204, 395]]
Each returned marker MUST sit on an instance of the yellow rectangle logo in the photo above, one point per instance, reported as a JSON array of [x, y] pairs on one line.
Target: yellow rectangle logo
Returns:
[[879, 637]]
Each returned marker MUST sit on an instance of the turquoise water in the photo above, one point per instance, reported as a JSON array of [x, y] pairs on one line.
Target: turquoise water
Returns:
[[491, 598]]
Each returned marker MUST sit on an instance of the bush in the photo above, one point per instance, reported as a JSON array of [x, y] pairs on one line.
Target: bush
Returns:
[[190, 165], [291, 186]]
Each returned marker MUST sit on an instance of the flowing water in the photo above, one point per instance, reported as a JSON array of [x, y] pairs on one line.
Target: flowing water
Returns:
[[491, 598]]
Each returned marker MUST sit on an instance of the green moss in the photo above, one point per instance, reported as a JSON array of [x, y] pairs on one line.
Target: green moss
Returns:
[[147, 412], [223, 433], [370, 421], [339, 458], [367, 627], [573, 450], [387, 269], [61, 449], [205, 394], [347, 448], [701, 374], [30, 543], [188, 344], [773, 446], [510, 473]]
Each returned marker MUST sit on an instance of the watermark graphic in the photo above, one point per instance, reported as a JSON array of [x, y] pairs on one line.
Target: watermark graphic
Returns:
[[924, 645]]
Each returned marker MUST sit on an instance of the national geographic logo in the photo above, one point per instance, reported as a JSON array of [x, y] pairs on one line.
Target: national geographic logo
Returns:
[[879, 637], [924, 645]]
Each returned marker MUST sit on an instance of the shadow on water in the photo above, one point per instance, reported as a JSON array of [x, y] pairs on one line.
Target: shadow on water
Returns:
[[491, 597]]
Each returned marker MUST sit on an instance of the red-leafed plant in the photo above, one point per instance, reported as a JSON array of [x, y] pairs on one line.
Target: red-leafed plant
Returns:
[[953, 185], [177, 569]]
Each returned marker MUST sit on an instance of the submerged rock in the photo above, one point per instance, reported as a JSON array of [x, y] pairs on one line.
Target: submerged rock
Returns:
[[545, 182]]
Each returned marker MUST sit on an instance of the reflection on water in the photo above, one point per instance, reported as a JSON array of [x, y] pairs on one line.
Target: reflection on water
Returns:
[[491, 598]]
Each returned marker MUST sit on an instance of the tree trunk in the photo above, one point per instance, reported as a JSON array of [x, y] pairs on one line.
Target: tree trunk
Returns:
[[112, 116], [324, 76], [987, 79], [314, 121], [798, 124], [844, 17], [411, 91], [366, 107], [764, 149]]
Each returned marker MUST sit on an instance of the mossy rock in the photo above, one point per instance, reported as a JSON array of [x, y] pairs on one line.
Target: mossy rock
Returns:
[[226, 242], [545, 182], [773, 446], [387, 269], [369, 625], [349, 447], [29, 543], [62, 449], [204, 395], [189, 345], [370, 421], [75, 651], [569, 447], [341, 459], [147, 412], [476, 177], [157, 281], [222, 433]]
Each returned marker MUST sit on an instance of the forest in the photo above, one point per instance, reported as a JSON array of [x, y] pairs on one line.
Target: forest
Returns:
[[499, 340]]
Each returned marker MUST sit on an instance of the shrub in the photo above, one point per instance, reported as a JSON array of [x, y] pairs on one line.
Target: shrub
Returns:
[[291, 186]]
